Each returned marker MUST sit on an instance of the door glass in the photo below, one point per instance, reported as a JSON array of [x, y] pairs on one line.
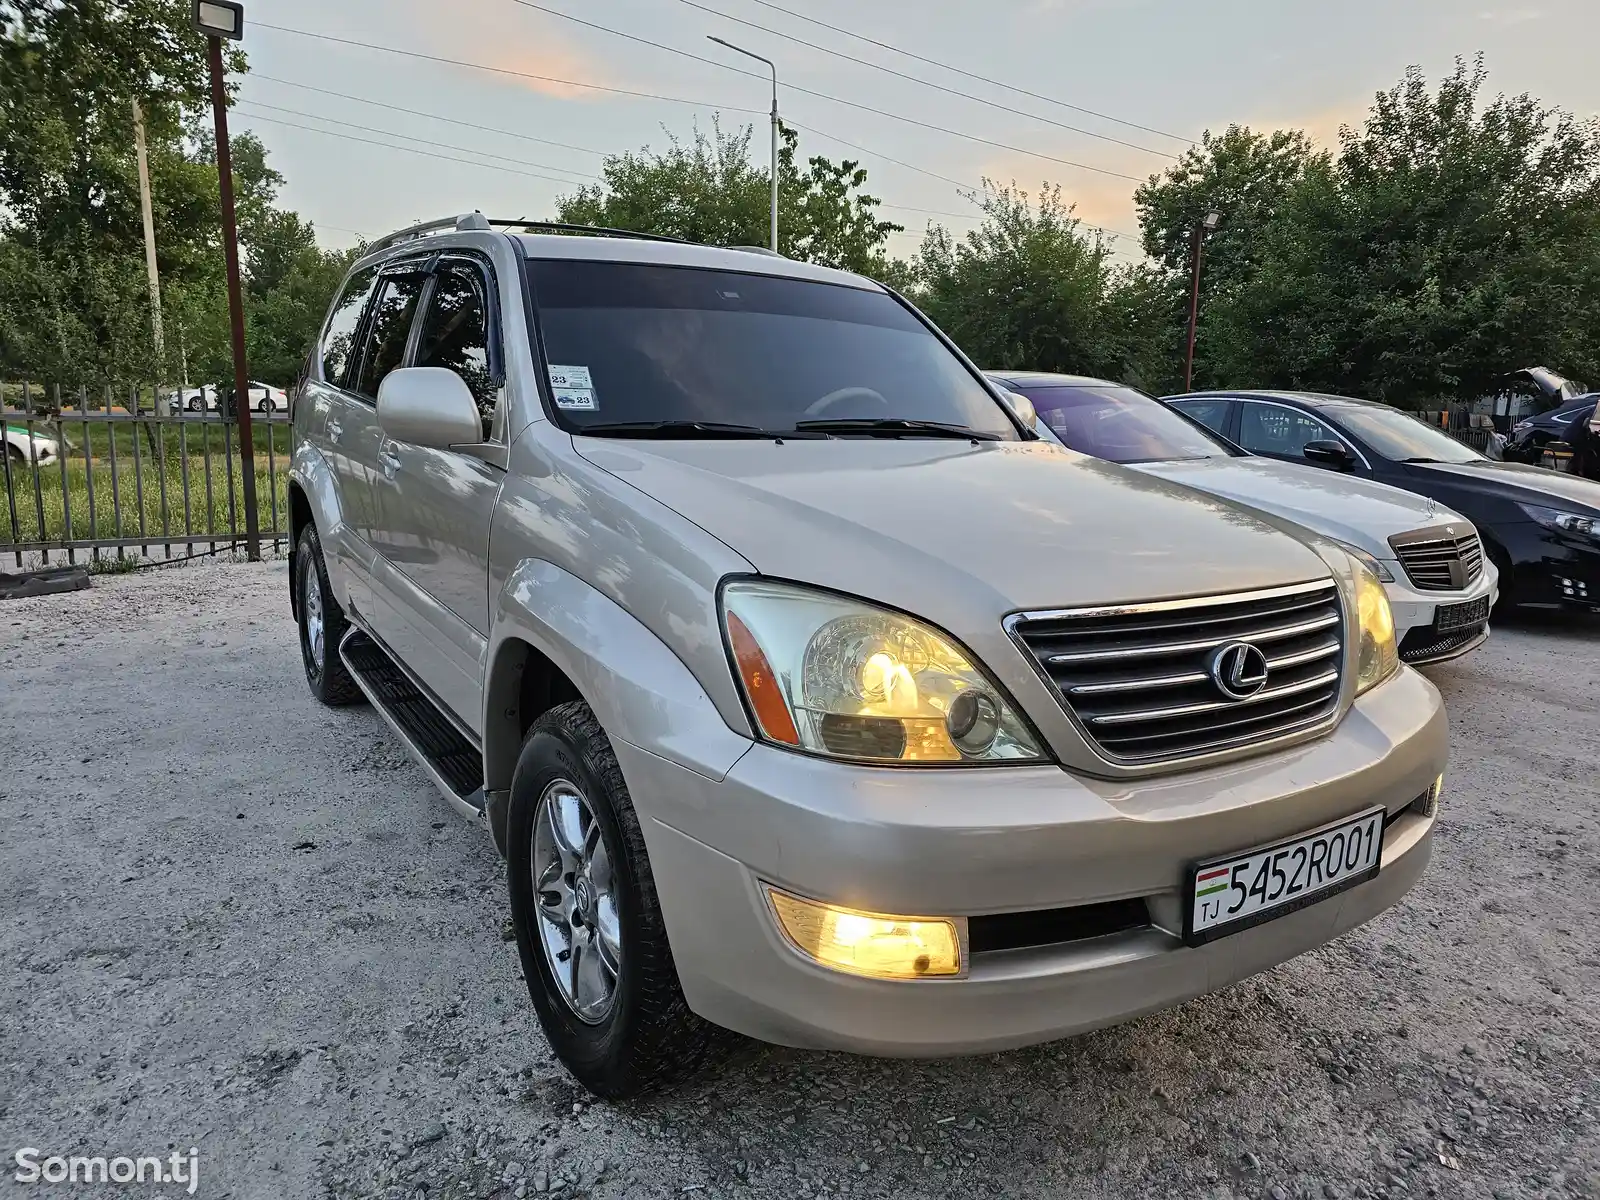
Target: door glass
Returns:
[[340, 333], [389, 329], [455, 335], [1269, 429], [1213, 414]]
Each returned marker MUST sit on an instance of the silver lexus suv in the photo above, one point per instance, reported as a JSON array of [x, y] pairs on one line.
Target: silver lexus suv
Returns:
[[806, 694]]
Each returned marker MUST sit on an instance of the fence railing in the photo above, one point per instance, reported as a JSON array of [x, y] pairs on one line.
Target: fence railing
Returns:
[[118, 473]]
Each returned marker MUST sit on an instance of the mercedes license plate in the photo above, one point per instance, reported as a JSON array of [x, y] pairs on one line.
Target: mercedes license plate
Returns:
[[1230, 894], [1459, 616]]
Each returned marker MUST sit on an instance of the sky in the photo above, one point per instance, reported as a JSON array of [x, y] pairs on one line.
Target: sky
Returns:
[[1120, 87]]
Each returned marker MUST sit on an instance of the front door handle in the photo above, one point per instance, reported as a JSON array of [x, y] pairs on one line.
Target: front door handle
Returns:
[[335, 430], [389, 461]]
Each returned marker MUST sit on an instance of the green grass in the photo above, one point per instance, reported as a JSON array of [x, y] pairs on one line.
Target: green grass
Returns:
[[137, 490]]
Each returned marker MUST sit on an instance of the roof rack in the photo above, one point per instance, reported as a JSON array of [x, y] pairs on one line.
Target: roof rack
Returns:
[[767, 250], [477, 221]]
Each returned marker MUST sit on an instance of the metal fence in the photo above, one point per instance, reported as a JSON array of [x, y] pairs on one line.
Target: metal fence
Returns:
[[113, 474]]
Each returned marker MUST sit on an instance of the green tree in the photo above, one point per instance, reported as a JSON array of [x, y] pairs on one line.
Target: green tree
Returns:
[[1451, 241], [710, 190], [1029, 288]]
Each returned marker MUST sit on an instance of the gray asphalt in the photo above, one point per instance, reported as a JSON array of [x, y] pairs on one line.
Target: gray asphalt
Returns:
[[237, 921]]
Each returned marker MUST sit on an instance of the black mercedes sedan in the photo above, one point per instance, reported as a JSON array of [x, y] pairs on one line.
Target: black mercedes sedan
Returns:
[[1541, 527]]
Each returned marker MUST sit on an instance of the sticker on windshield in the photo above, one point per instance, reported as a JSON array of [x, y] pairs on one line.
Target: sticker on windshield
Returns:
[[571, 377], [580, 399]]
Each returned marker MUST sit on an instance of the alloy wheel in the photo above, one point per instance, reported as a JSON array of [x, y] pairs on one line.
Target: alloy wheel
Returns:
[[575, 889], [311, 607]]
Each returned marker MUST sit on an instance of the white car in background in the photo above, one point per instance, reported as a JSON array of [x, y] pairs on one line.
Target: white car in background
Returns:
[[23, 447], [1440, 584], [264, 398]]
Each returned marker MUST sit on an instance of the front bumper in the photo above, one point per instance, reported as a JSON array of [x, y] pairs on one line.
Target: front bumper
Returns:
[[1550, 570], [1415, 612], [976, 843]]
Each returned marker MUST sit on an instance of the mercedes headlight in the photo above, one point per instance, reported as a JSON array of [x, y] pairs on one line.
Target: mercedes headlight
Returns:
[[843, 678], [1368, 561], [1378, 657]]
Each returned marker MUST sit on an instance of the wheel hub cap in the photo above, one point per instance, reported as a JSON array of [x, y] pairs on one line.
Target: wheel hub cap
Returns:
[[311, 605], [575, 891]]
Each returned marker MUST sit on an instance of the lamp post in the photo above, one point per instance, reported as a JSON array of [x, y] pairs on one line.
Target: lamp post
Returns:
[[773, 68], [219, 19], [1207, 225]]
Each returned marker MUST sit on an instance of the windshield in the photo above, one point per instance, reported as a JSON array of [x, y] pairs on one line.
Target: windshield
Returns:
[[634, 343], [1119, 424], [1401, 437]]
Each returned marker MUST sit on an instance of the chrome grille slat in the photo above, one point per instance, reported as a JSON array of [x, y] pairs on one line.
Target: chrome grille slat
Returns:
[[1441, 564], [1138, 678]]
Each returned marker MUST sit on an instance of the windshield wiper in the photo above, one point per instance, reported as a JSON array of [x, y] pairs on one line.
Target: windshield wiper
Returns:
[[1419, 459], [690, 429], [895, 427]]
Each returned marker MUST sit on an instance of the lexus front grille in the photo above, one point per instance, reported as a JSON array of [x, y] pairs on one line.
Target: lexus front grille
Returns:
[[1440, 562], [1160, 682]]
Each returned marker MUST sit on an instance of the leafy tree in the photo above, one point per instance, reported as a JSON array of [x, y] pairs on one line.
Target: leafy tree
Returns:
[[710, 190], [1027, 289]]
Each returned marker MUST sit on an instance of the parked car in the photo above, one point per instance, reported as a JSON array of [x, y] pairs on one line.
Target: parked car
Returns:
[[264, 398], [1530, 437], [24, 447], [197, 399], [1438, 615], [806, 692], [1540, 528]]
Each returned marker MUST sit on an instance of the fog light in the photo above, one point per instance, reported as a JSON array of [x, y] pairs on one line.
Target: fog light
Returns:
[[869, 943]]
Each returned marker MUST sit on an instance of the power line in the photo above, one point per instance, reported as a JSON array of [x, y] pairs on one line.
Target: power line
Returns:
[[792, 87], [456, 62], [413, 112], [923, 82], [406, 137], [1010, 87], [409, 149]]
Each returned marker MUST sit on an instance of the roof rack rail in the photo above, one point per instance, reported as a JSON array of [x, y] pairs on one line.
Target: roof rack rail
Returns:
[[767, 250], [597, 230], [465, 221], [477, 221]]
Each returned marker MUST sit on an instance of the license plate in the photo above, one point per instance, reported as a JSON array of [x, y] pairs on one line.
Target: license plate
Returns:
[[1230, 894], [1458, 616]]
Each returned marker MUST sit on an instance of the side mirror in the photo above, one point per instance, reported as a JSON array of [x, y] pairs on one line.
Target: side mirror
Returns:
[[1022, 407], [428, 406], [1328, 453]]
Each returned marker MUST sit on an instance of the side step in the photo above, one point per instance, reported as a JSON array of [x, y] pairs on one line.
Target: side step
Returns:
[[449, 757]]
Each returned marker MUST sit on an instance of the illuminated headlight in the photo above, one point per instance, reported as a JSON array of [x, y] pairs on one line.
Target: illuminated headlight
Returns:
[[869, 943], [1377, 658], [1565, 522], [835, 676], [1366, 560]]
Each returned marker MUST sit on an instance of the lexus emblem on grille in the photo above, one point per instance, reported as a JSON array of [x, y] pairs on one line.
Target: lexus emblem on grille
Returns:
[[1239, 670]]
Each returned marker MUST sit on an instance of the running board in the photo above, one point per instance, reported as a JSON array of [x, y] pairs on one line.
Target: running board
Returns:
[[447, 755]]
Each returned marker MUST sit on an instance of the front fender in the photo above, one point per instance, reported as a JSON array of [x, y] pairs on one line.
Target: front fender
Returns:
[[309, 471], [640, 691]]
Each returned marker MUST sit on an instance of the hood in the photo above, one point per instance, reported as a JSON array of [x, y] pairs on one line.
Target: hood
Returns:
[[1547, 381], [1353, 510], [958, 533], [1519, 481]]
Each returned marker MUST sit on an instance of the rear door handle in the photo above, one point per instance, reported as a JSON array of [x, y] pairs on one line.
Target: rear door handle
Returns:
[[389, 461], [335, 430]]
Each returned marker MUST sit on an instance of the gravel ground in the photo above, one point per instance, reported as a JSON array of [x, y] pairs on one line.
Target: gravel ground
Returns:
[[236, 921]]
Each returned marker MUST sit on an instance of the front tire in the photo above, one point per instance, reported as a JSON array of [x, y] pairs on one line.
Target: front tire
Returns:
[[589, 927], [322, 626], [264, 407], [194, 404]]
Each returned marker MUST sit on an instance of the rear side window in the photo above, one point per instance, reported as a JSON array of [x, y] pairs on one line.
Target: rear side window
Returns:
[[389, 329], [338, 338], [455, 333], [1213, 414]]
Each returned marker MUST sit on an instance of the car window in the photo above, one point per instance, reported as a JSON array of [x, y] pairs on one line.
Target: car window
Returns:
[[654, 343], [388, 329], [338, 336], [1119, 424], [1213, 414], [1401, 437], [455, 334], [1273, 429]]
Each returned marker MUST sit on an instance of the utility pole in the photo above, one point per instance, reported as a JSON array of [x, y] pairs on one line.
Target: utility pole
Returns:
[[219, 19], [149, 241], [1197, 238], [773, 68]]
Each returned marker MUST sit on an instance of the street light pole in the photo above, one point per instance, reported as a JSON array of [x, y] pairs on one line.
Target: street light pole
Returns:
[[771, 66], [219, 19], [1208, 225]]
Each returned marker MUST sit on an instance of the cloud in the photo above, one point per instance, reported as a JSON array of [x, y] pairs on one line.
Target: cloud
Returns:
[[511, 41]]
